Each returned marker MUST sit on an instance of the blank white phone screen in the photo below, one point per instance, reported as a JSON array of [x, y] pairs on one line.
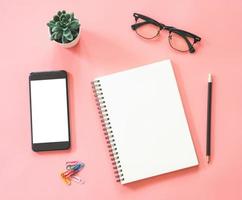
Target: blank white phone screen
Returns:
[[49, 111]]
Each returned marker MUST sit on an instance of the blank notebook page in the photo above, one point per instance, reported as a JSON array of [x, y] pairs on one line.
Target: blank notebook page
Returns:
[[148, 121]]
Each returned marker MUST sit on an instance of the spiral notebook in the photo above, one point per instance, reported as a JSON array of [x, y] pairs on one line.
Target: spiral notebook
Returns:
[[144, 122]]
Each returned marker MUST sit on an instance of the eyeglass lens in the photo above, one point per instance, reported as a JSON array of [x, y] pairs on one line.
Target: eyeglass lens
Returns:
[[178, 42], [147, 30]]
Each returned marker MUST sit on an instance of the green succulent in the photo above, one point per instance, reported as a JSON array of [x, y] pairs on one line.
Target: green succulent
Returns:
[[64, 27]]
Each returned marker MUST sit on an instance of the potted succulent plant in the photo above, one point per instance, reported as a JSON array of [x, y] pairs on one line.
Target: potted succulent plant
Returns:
[[64, 29]]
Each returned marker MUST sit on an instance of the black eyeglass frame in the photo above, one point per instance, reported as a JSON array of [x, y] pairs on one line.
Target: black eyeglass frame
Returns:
[[171, 29]]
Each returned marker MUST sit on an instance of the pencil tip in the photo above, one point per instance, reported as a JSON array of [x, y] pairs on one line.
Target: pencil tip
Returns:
[[209, 77]]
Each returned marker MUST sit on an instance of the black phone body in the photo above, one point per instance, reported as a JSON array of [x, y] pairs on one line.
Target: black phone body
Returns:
[[49, 110]]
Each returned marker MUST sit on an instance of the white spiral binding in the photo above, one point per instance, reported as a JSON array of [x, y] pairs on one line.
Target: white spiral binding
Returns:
[[107, 128]]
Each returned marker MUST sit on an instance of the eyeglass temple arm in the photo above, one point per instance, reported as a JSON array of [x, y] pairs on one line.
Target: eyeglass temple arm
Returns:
[[196, 38], [147, 19], [135, 26], [191, 48], [184, 33]]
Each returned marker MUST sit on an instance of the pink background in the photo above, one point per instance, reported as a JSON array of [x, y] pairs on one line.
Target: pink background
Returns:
[[109, 45]]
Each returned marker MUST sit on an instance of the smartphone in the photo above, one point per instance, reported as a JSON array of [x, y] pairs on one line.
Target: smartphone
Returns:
[[49, 110]]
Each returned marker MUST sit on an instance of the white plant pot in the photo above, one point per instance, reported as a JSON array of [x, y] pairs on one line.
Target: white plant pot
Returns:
[[72, 43]]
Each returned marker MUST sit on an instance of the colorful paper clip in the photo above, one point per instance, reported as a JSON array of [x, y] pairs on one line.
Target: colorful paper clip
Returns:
[[66, 180], [72, 168]]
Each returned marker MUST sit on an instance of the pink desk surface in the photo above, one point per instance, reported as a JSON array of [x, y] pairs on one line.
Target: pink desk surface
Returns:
[[109, 45]]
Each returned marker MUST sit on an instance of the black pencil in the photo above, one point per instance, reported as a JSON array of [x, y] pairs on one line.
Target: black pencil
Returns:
[[209, 106]]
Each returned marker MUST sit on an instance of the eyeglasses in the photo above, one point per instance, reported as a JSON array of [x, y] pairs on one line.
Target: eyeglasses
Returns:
[[179, 40]]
